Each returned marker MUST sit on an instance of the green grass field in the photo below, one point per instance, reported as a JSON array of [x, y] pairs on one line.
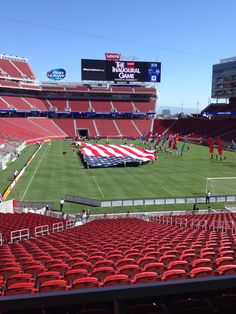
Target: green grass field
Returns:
[[57, 171]]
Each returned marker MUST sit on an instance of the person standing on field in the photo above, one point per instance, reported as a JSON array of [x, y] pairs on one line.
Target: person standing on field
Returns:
[[61, 204], [208, 195]]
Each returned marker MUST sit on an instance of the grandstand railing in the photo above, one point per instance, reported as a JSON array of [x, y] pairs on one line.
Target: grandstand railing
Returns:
[[58, 226], [224, 226], [168, 218], [196, 222], [41, 230], [19, 235], [70, 224]]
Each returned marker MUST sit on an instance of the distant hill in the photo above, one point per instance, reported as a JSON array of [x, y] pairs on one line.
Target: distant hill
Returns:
[[176, 110]]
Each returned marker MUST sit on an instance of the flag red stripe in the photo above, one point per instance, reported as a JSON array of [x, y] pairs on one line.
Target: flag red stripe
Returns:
[[117, 151]]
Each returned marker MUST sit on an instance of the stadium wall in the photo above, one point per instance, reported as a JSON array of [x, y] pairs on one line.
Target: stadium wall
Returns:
[[149, 201]]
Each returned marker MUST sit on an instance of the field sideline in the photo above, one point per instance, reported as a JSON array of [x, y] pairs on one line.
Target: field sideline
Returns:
[[57, 170]]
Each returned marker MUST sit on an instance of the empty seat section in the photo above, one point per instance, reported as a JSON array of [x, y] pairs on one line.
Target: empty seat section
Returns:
[[101, 106], [107, 128], [15, 132], [145, 106], [79, 105], [17, 102], [59, 104], [67, 126], [143, 125], [4, 104], [18, 221], [48, 127], [53, 88], [24, 68], [9, 70], [123, 106], [28, 129], [48, 104], [128, 128], [36, 103], [122, 89], [76, 88], [102, 256], [197, 129]]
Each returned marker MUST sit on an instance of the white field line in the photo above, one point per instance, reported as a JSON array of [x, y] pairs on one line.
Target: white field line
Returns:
[[168, 191], [31, 179], [98, 186]]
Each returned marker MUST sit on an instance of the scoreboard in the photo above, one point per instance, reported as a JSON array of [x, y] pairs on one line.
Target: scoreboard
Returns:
[[120, 71]]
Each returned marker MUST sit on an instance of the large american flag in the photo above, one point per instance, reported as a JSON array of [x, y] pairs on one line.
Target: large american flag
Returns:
[[97, 155]]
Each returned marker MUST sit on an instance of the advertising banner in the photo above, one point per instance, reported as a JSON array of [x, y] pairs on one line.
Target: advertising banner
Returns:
[[56, 74]]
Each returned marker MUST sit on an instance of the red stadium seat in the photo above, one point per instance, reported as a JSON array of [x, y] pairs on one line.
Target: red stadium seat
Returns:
[[179, 265], [19, 278], [94, 259], [166, 259], [129, 270], [145, 277], [9, 271], [135, 255], [227, 269], [189, 257], [52, 261], [145, 260], [46, 276], [156, 267], [34, 270], [210, 255], [201, 272], [61, 267], [73, 274], [86, 282], [116, 280], [202, 262], [174, 274], [83, 265], [71, 261], [104, 262], [224, 260], [228, 253], [126, 261], [115, 257], [20, 288], [102, 272], [53, 285]]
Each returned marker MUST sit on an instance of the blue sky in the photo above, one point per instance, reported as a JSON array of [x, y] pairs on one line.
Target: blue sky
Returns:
[[186, 36]]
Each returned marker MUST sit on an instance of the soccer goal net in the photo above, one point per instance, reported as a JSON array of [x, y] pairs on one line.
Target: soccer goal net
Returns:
[[221, 185]]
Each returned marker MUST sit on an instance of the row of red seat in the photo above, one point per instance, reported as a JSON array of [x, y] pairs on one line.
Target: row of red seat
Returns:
[[48, 281], [219, 221], [15, 68], [28, 129], [131, 247], [197, 128], [105, 128], [32, 103], [18, 221]]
